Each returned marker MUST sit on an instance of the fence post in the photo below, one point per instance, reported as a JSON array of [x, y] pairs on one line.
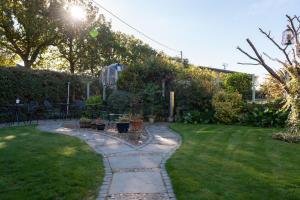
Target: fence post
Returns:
[[172, 105]]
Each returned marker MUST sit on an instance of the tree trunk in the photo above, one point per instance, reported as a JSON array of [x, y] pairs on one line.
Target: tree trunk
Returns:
[[27, 64], [294, 116]]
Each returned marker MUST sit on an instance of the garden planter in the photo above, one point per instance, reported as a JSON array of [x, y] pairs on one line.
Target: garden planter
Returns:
[[84, 125], [123, 127], [136, 124], [93, 125], [100, 127]]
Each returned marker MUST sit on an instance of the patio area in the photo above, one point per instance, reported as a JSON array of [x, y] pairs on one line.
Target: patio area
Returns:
[[131, 171]]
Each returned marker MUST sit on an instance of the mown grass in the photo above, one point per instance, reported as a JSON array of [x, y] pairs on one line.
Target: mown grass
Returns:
[[234, 162], [36, 165]]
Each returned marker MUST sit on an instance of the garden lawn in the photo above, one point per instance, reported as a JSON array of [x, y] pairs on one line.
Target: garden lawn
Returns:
[[234, 162], [36, 165]]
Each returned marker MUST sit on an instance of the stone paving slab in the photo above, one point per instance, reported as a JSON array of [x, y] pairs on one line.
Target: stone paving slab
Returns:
[[135, 162], [159, 148], [137, 182], [114, 148]]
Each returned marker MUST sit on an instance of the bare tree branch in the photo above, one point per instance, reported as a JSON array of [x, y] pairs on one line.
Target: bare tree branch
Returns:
[[251, 57], [274, 59], [240, 63], [268, 35], [261, 61]]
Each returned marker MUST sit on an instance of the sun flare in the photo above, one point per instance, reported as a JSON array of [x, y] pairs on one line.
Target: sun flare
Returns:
[[77, 13]]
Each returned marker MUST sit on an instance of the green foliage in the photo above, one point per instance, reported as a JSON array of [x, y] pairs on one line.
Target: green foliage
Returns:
[[239, 82], [194, 89], [119, 102], [196, 117], [25, 28], [94, 100], [152, 99], [85, 120], [228, 106], [264, 115], [94, 106], [39, 85]]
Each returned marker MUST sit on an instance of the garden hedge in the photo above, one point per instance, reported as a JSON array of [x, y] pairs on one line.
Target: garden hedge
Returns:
[[39, 85]]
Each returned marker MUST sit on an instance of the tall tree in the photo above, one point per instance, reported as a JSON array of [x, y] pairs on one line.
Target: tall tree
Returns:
[[290, 82], [25, 28], [73, 33]]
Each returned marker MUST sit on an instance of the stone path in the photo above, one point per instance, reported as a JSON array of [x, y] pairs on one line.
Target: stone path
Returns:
[[132, 172]]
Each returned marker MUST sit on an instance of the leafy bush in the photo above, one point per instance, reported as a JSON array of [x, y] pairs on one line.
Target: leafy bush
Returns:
[[239, 82], [93, 107], [227, 106], [94, 100], [152, 99], [264, 115], [119, 102], [195, 117]]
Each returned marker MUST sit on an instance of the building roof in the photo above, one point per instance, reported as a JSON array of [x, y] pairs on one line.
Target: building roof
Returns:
[[220, 70]]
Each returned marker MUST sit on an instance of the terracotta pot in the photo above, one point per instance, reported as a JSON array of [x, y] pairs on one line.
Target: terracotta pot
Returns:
[[136, 124]]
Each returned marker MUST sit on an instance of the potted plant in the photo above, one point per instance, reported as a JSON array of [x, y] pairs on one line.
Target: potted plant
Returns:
[[136, 123], [93, 124], [85, 122], [100, 124], [123, 124]]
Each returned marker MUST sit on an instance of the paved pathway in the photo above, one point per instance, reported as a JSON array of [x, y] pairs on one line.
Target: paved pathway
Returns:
[[132, 173]]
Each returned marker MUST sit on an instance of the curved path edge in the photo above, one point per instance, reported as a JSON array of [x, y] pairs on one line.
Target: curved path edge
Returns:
[[141, 168]]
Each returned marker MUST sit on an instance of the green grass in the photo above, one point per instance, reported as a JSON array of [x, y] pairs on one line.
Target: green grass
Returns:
[[36, 165], [234, 162]]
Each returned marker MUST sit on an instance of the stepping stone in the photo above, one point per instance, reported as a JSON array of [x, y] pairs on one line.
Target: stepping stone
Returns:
[[157, 148], [137, 182], [114, 148], [165, 140], [135, 162]]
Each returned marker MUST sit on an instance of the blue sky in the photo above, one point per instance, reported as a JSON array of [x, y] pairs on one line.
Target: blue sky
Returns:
[[207, 31]]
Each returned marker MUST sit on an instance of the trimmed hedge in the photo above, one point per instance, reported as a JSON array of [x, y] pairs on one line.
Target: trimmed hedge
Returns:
[[39, 85]]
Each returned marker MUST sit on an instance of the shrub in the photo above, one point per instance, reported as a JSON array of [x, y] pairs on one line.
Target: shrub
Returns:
[[227, 106], [93, 107], [264, 115], [94, 100], [119, 102], [195, 117], [239, 82]]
